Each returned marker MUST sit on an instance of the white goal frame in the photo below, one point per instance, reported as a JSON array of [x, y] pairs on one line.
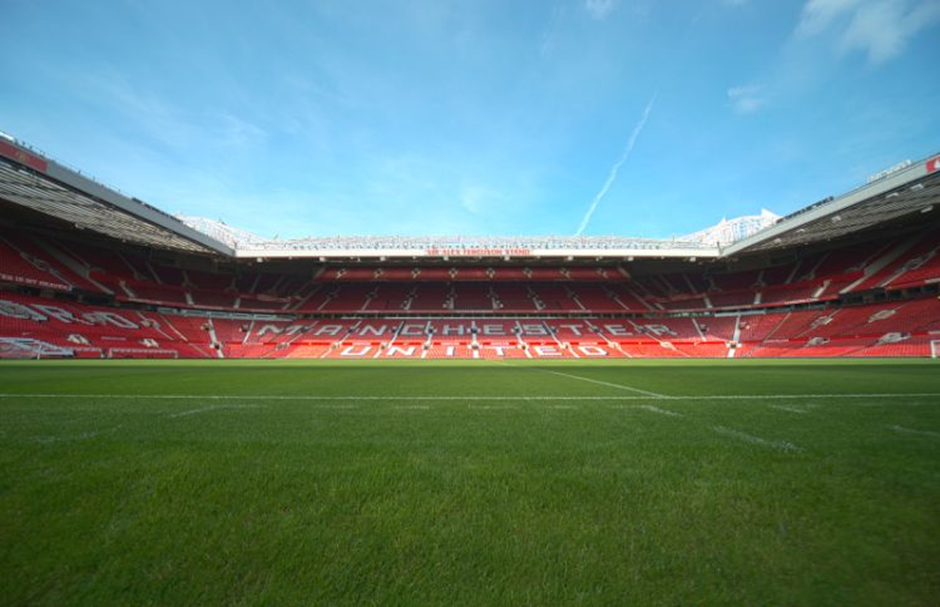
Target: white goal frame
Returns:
[[935, 348]]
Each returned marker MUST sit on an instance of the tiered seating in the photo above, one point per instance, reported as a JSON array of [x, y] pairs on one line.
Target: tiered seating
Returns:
[[94, 330], [472, 297], [791, 293], [903, 328], [58, 262], [229, 331], [469, 274], [595, 298], [156, 293], [303, 351], [16, 267], [737, 281], [496, 290], [504, 351], [555, 298], [205, 281], [919, 271], [912, 346], [514, 298], [429, 298], [168, 275], [388, 297], [349, 298], [209, 299], [736, 299], [288, 314], [456, 331], [193, 329], [717, 328]]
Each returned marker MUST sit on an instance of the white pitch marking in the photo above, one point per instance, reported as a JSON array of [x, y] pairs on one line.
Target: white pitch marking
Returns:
[[282, 397], [649, 408], [750, 438], [492, 408], [82, 436], [660, 411], [214, 408], [562, 407], [414, 407], [601, 383], [917, 432], [790, 409]]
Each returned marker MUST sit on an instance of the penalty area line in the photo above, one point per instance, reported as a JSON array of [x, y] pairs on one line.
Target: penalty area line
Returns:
[[756, 440], [213, 408], [593, 381]]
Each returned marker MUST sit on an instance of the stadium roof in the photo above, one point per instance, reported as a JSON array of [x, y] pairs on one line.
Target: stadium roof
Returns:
[[910, 189], [31, 180]]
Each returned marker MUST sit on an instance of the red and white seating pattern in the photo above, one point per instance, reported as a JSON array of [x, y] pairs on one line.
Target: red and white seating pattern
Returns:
[[902, 328], [251, 313], [44, 262]]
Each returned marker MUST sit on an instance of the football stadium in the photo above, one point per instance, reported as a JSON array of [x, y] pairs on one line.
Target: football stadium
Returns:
[[192, 413], [96, 274]]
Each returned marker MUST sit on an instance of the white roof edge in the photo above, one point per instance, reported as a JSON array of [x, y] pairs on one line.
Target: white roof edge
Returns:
[[896, 180], [132, 206], [410, 254]]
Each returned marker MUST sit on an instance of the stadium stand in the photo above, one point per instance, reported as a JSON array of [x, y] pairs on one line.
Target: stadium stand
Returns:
[[102, 275], [66, 298]]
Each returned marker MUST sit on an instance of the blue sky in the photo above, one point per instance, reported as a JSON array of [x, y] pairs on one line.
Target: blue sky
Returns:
[[474, 116]]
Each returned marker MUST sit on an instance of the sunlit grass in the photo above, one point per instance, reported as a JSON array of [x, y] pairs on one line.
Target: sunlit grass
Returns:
[[470, 483]]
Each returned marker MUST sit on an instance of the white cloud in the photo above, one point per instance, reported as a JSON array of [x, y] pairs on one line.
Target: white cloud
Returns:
[[879, 28], [747, 98], [599, 9]]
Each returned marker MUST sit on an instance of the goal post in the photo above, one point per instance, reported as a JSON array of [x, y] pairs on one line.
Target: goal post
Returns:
[[935, 348]]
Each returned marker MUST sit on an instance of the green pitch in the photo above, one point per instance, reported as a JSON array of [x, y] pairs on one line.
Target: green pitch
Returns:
[[221, 482]]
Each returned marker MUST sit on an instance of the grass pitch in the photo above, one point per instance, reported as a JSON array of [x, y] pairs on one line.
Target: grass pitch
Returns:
[[756, 482]]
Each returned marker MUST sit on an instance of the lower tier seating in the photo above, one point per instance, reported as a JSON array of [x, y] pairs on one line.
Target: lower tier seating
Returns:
[[34, 326]]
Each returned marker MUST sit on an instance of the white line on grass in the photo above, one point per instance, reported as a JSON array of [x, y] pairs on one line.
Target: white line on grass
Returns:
[[650, 408], [803, 396], [917, 432], [303, 397], [653, 409], [413, 408], [82, 436], [789, 409], [756, 440], [598, 382], [213, 408]]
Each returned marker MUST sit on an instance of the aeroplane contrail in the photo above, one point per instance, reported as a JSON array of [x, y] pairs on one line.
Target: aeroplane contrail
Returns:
[[612, 177]]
